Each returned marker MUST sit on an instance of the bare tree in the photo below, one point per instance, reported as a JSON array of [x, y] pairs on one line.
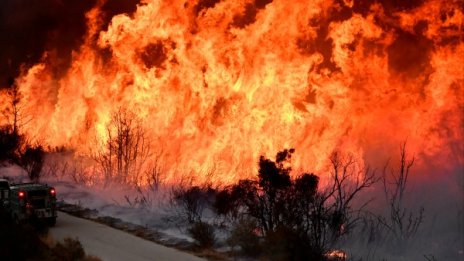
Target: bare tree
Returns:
[[332, 213], [402, 223], [11, 140], [11, 112], [154, 173], [79, 172], [347, 182], [14, 111], [126, 149], [51, 168]]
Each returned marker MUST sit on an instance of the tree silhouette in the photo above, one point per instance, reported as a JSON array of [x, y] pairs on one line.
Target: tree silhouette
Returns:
[[125, 150], [297, 219], [32, 161], [401, 223], [11, 140], [9, 143]]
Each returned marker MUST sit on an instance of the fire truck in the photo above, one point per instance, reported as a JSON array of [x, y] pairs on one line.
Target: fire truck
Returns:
[[32, 202]]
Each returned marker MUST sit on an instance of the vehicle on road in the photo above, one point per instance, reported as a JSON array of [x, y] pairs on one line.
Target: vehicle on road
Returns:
[[32, 202]]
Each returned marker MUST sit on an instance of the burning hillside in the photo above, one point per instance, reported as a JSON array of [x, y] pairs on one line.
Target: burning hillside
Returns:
[[214, 84]]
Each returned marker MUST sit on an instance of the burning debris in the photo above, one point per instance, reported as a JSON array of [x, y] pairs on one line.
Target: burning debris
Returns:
[[336, 255]]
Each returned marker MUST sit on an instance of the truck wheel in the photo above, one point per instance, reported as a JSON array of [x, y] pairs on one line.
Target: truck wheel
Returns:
[[51, 221]]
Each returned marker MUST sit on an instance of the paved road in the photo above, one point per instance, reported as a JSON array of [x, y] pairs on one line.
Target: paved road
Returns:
[[112, 244]]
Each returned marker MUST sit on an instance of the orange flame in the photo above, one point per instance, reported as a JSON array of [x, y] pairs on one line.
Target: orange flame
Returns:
[[218, 83]]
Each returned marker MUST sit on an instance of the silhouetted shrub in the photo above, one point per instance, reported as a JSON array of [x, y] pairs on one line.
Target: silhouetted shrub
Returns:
[[224, 204], [203, 233], [70, 249], [295, 220], [24, 243], [265, 200], [193, 201], [32, 161], [9, 143], [285, 243], [245, 235]]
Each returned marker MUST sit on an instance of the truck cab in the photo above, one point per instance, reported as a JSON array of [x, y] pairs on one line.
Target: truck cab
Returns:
[[32, 201]]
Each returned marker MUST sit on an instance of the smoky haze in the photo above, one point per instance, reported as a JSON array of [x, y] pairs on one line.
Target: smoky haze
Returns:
[[29, 28]]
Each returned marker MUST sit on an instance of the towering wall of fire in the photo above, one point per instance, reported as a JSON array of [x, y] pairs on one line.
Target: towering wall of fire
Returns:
[[218, 83]]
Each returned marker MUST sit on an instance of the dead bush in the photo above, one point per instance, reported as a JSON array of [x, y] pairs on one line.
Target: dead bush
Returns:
[[192, 202], [70, 250], [203, 234], [245, 235], [285, 243]]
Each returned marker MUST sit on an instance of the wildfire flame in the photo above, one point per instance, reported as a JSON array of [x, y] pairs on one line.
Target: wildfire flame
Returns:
[[218, 83], [336, 255]]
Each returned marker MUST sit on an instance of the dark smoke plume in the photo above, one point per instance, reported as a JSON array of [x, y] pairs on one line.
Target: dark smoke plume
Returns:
[[28, 28]]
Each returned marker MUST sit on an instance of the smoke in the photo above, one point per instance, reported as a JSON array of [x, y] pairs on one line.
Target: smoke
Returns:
[[30, 28], [440, 234]]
